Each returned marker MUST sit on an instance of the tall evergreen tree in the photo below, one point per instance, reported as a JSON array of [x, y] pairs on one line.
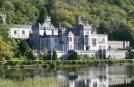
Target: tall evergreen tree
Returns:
[[43, 14], [2, 3], [54, 57]]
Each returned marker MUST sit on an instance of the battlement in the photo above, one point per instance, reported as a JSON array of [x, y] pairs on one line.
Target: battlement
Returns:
[[87, 26], [115, 51], [21, 26], [87, 51], [101, 35], [48, 17], [116, 41]]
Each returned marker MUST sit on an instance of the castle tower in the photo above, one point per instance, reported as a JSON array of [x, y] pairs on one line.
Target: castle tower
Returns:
[[78, 20], [3, 17], [47, 20]]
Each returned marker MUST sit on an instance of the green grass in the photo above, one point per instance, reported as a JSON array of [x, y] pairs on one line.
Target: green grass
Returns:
[[29, 82]]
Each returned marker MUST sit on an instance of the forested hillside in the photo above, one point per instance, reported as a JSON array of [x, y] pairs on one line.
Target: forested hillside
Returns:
[[114, 17]]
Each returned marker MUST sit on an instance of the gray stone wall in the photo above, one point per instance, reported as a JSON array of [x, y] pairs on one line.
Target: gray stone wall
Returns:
[[118, 44], [119, 54]]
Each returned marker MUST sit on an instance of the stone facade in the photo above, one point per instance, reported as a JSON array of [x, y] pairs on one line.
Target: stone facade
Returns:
[[118, 44], [119, 54], [82, 37], [20, 31]]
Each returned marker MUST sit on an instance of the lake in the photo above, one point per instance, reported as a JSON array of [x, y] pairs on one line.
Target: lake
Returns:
[[97, 76]]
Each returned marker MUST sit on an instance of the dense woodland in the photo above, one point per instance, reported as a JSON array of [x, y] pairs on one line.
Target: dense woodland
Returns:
[[115, 17]]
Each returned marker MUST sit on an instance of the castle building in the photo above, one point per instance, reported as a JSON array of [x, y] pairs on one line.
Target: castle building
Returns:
[[20, 31], [82, 37]]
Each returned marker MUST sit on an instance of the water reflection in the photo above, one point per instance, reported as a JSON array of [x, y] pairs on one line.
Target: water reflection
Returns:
[[100, 76]]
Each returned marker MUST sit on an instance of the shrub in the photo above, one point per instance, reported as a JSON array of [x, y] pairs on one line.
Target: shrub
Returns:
[[53, 64]]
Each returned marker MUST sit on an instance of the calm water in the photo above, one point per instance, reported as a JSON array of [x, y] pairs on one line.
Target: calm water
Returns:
[[104, 76]]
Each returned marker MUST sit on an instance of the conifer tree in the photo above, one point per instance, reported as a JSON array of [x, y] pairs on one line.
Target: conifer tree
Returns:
[[54, 57], [43, 14]]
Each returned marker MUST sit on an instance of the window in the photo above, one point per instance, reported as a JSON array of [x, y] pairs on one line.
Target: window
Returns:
[[94, 41], [103, 47], [15, 32], [60, 39], [47, 42], [70, 39], [29, 32], [74, 39], [103, 39], [75, 46], [42, 43], [59, 47], [55, 40], [70, 47], [86, 39], [23, 32], [67, 38], [55, 46], [100, 47], [79, 40], [87, 32]]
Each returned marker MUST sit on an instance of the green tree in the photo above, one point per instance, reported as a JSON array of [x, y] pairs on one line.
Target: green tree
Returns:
[[43, 14], [15, 47], [5, 50], [131, 56], [1, 20], [23, 47], [45, 53], [4, 31], [25, 13], [54, 57], [29, 55], [2, 3], [74, 56]]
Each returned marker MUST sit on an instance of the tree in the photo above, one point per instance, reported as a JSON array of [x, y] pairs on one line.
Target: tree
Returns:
[[5, 50], [43, 14], [23, 47], [54, 57], [4, 31], [74, 56], [2, 3], [29, 55], [45, 53], [131, 56], [25, 13], [1, 20], [15, 47], [40, 56]]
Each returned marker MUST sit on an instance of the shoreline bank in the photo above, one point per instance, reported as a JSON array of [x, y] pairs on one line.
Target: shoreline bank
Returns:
[[63, 63]]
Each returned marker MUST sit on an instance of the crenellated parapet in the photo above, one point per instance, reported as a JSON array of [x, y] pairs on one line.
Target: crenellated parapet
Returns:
[[21, 26], [115, 51], [87, 26]]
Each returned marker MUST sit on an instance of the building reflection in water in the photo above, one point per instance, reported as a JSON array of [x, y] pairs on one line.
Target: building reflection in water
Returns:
[[96, 76], [99, 76]]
